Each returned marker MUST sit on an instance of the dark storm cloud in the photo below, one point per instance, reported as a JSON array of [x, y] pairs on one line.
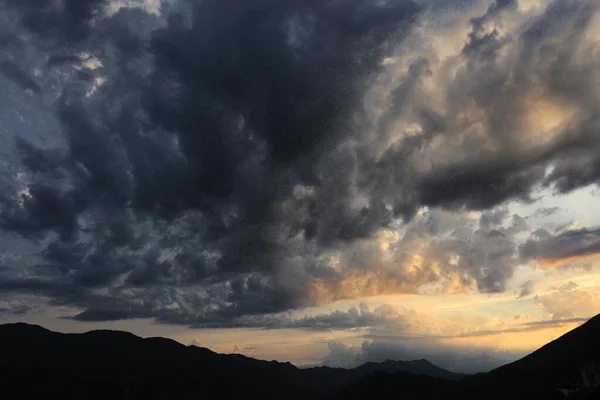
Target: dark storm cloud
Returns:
[[216, 155], [68, 20], [178, 179], [46, 208], [97, 314], [483, 184], [14, 73], [563, 246]]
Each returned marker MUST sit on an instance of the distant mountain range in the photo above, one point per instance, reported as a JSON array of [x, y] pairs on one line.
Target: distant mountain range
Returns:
[[416, 367], [36, 363], [568, 367]]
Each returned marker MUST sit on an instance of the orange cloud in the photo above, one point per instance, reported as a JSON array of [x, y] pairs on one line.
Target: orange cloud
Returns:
[[363, 284], [544, 118], [571, 301], [586, 261]]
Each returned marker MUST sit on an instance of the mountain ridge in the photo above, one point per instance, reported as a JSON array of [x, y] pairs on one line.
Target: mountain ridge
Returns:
[[387, 364], [417, 367], [120, 365]]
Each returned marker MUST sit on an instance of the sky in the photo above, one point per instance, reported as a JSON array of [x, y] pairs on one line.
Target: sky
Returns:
[[326, 182]]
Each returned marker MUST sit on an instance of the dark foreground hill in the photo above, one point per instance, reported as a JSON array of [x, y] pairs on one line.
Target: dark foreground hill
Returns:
[[37, 364]]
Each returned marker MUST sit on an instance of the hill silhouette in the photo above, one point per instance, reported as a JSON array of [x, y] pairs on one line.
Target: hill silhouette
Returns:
[[36, 363], [113, 364]]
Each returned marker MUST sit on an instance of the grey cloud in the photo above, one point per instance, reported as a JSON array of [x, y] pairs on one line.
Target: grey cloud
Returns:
[[353, 318], [69, 22], [564, 245], [484, 45], [546, 212], [19, 306], [550, 323], [92, 315], [13, 72], [526, 289], [485, 255], [343, 356], [493, 218]]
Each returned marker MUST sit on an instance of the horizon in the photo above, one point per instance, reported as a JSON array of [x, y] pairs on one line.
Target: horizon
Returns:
[[319, 182], [407, 361]]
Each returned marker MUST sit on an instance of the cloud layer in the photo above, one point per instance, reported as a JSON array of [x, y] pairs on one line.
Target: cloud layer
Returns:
[[221, 162]]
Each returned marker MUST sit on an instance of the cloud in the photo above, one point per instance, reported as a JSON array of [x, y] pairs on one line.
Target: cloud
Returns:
[[565, 248], [14, 73], [243, 159], [193, 171], [70, 22], [555, 322], [526, 289], [570, 301], [343, 355], [546, 212], [352, 319], [395, 323]]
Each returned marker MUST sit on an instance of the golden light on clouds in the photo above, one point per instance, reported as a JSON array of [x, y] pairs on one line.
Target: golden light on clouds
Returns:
[[387, 238], [593, 31], [150, 6], [360, 284], [409, 270], [544, 118], [586, 261], [571, 300]]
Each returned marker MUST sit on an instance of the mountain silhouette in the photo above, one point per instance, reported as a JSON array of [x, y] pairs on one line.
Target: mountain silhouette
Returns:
[[113, 364], [416, 367], [569, 364], [36, 363]]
